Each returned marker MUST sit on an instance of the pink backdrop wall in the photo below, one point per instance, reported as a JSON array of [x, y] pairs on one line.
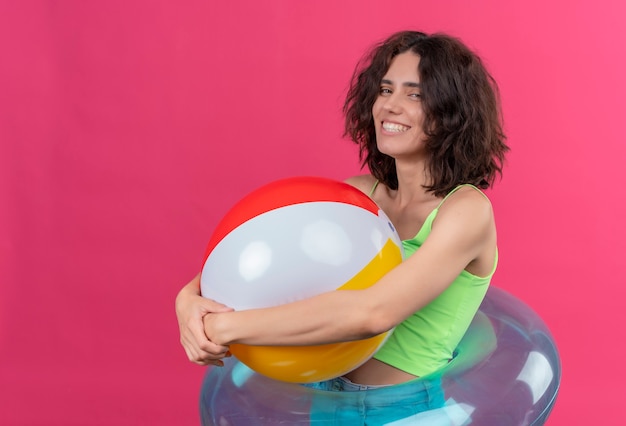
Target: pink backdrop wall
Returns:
[[127, 129]]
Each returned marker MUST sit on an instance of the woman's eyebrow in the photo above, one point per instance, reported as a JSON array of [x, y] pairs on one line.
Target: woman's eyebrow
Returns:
[[405, 84]]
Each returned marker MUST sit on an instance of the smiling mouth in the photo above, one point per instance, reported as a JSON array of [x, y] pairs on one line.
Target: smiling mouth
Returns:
[[394, 127]]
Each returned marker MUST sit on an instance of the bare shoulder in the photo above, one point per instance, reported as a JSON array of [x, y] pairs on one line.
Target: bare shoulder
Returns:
[[465, 228], [467, 206], [362, 182]]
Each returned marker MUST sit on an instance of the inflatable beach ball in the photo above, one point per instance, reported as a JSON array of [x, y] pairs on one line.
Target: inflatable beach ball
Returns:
[[292, 239]]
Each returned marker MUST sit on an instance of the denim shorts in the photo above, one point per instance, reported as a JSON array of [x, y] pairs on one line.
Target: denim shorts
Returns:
[[339, 401], [341, 384]]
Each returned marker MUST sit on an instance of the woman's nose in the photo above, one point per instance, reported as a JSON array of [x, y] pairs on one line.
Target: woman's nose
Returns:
[[392, 104]]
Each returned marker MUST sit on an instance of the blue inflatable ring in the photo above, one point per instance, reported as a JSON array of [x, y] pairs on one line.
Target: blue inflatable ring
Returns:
[[506, 371]]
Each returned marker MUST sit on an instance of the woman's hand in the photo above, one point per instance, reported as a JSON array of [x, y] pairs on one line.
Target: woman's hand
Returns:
[[191, 308]]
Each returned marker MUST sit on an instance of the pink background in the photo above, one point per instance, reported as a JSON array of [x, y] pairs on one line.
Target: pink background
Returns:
[[128, 128]]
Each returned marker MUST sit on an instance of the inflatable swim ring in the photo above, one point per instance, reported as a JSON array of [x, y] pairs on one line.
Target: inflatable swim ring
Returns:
[[506, 371]]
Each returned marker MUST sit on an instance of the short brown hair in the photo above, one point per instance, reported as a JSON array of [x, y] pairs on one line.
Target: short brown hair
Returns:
[[464, 137]]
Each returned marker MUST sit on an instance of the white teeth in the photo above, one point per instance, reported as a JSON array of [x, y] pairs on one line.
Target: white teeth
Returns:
[[394, 127]]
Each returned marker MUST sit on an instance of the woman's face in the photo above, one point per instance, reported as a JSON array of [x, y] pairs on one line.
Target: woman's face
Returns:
[[398, 114]]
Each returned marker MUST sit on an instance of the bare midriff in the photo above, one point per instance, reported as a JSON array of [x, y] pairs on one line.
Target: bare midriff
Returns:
[[375, 372]]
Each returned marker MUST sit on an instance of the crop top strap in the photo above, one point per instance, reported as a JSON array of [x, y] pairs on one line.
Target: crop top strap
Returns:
[[373, 188], [456, 189]]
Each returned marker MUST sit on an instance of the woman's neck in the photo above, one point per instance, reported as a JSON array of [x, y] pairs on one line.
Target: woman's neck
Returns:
[[412, 177]]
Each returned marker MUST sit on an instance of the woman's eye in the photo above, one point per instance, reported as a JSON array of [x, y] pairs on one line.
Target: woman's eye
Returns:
[[385, 91], [415, 95]]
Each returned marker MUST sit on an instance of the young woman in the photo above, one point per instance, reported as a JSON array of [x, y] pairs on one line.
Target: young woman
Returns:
[[425, 114]]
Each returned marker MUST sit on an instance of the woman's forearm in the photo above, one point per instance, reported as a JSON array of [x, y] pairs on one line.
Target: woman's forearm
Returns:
[[326, 318]]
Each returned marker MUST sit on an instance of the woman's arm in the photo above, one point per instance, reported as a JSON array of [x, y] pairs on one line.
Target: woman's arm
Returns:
[[191, 307], [461, 232]]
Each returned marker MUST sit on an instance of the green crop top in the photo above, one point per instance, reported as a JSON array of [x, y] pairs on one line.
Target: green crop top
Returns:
[[425, 341]]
